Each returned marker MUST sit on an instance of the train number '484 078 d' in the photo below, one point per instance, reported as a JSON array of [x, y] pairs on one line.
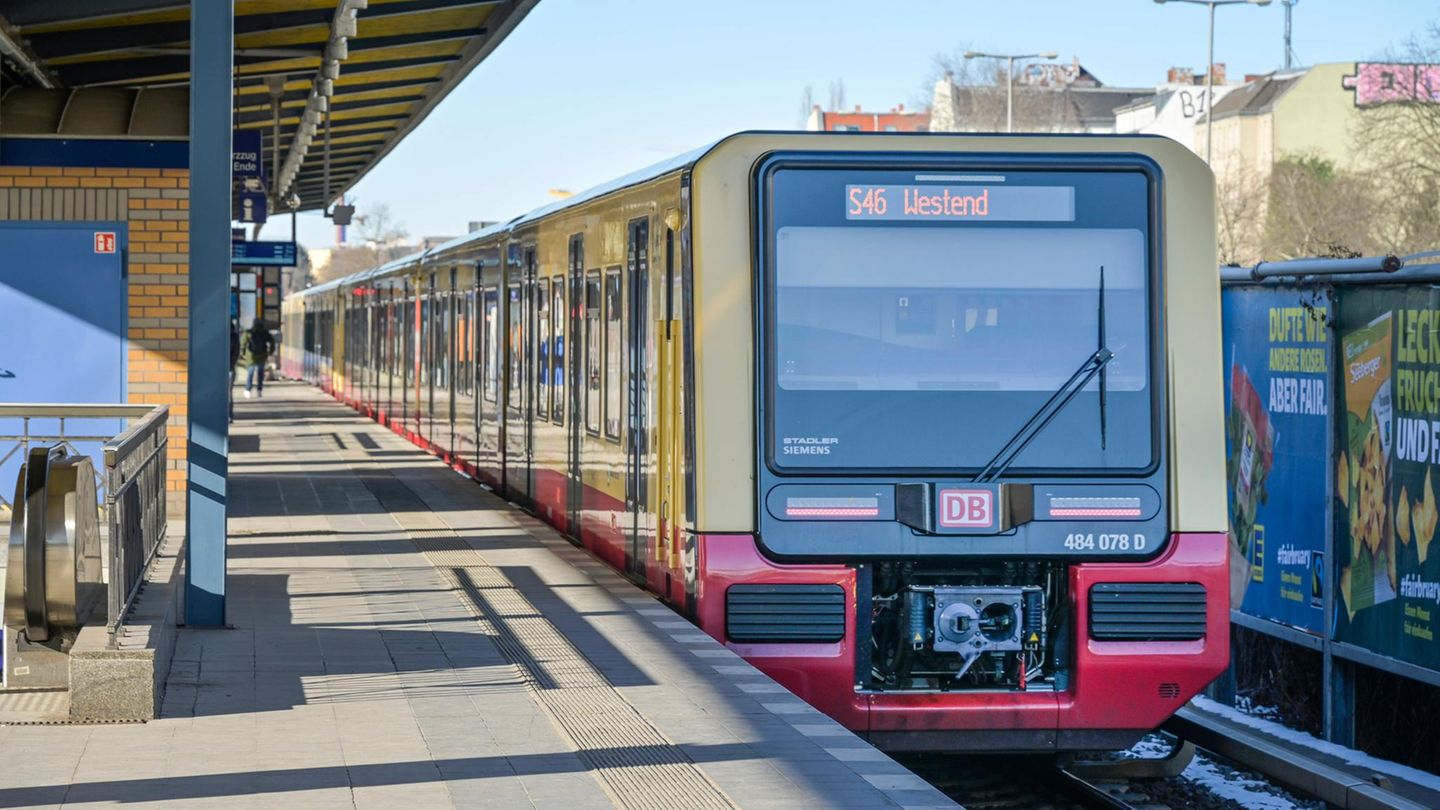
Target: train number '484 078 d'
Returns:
[[1091, 541]]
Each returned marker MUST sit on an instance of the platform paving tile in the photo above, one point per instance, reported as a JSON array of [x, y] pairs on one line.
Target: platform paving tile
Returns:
[[355, 675]]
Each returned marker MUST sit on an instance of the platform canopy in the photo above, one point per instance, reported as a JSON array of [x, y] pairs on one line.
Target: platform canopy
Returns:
[[120, 68]]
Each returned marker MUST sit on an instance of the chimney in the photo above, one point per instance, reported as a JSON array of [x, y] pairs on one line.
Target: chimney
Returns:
[[1219, 72], [899, 108], [1179, 75], [857, 108]]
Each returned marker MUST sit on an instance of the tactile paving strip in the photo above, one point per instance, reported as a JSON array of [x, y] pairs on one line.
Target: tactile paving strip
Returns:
[[638, 765]]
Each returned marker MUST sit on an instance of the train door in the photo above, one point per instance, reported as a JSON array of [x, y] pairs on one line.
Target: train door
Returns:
[[445, 367], [426, 426], [517, 342], [411, 339], [637, 386], [477, 361], [575, 355], [531, 355], [669, 432]]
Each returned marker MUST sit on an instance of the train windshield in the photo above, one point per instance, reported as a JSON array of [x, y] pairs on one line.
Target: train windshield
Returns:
[[917, 321]]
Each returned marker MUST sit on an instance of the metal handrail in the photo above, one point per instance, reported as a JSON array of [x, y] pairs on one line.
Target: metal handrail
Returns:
[[131, 478], [138, 432], [56, 410], [137, 525]]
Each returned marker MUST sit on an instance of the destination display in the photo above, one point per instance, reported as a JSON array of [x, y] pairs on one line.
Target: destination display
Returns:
[[279, 254], [960, 202]]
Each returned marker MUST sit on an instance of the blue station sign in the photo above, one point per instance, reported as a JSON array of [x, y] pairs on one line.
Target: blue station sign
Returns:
[[272, 254]]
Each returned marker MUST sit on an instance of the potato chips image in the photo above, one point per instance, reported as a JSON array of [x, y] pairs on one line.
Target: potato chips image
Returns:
[[1342, 478], [1369, 512], [1423, 517], [1345, 589], [1402, 516]]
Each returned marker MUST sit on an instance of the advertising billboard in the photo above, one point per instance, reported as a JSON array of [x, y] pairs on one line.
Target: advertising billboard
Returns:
[[1277, 405], [1388, 442]]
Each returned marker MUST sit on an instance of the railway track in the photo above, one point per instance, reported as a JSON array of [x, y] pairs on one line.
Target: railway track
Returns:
[[1280, 776], [999, 782]]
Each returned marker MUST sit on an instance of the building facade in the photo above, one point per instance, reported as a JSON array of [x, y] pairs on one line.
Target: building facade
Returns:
[[897, 119], [1044, 98]]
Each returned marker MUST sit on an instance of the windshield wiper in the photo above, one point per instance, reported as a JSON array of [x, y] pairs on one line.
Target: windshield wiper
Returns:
[[1094, 364]]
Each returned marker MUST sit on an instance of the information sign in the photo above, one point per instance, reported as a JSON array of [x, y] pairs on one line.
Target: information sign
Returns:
[[279, 254]]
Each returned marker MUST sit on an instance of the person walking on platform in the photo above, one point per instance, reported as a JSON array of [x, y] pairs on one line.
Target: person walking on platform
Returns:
[[256, 352], [234, 361]]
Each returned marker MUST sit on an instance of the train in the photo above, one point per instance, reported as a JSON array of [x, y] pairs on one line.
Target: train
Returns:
[[927, 427]]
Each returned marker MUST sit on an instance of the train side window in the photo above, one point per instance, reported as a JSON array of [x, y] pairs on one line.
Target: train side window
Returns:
[[515, 341], [669, 274], [542, 360], [492, 342], [614, 308], [593, 348], [440, 354], [558, 314]]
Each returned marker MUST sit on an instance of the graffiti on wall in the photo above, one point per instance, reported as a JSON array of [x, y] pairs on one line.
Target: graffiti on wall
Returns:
[[1384, 82]]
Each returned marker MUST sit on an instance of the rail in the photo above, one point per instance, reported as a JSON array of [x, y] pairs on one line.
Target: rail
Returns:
[[1284, 765], [131, 481]]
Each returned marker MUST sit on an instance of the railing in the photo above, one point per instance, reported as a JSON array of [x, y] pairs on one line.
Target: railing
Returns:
[[131, 483]]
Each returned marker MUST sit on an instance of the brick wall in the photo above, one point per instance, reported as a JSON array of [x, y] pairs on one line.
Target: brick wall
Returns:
[[154, 204]]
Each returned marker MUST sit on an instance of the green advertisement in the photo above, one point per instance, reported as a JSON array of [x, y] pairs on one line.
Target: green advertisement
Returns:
[[1388, 563]]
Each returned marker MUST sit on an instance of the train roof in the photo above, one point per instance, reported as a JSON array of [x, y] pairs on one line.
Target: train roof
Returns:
[[634, 178], [459, 243]]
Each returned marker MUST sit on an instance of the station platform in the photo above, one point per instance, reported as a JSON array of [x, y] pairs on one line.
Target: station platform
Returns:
[[403, 638]]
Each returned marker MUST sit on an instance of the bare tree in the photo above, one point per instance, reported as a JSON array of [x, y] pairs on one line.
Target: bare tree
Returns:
[[807, 103], [979, 94], [1239, 215], [346, 260], [383, 233], [1312, 211], [837, 94]]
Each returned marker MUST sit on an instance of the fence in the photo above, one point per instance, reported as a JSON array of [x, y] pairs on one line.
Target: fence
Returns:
[[131, 481], [1332, 433]]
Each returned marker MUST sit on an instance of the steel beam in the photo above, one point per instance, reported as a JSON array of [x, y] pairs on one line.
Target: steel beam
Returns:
[[212, 71]]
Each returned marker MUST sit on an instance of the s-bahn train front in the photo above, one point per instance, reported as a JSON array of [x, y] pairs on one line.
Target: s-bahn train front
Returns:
[[973, 495]]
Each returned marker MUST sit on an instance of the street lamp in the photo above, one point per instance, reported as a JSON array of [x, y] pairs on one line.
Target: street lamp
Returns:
[[1210, 64], [1010, 76]]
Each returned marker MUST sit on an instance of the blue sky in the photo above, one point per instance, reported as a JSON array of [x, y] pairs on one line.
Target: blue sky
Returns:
[[586, 90]]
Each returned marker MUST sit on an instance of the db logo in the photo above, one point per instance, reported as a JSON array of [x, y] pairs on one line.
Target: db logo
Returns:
[[966, 508]]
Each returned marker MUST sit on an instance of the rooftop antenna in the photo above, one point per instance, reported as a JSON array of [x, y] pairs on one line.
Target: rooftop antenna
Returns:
[[1289, 51]]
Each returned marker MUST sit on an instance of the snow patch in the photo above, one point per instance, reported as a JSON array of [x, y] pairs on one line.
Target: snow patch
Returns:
[[1249, 793], [1151, 746], [1350, 756]]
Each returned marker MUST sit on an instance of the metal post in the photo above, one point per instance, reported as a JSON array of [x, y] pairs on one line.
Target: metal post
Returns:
[[1210, 93], [212, 24], [276, 92], [1010, 95], [326, 203], [1336, 675], [1339, 700]]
